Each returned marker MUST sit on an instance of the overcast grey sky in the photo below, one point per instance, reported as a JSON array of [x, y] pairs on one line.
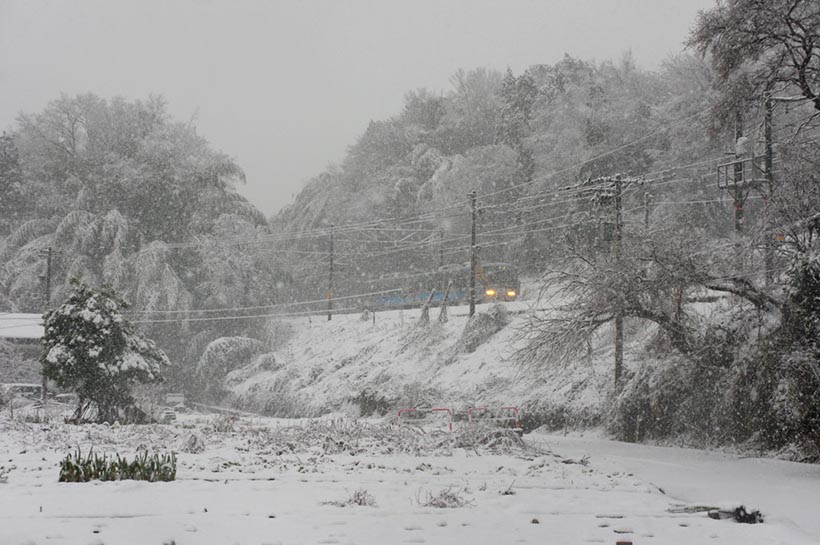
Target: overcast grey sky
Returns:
[[286, 86]]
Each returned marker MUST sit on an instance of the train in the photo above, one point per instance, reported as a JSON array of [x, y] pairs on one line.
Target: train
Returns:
[[494, 282]]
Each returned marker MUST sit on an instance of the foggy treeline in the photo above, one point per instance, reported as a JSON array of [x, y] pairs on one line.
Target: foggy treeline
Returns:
[[124, 194]]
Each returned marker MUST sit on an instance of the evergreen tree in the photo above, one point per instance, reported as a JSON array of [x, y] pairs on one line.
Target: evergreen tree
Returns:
[[91, 349]]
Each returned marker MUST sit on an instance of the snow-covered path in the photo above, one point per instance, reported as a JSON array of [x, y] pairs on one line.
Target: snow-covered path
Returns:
[[786, 492]]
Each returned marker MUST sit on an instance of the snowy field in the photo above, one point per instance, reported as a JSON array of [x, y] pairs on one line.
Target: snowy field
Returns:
[[266, 481]]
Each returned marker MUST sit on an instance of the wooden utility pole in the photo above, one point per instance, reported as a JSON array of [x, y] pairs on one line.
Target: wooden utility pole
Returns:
[[619, 317], [608, 191], [48, 252], [473, 251], [646, 199], [330, 278], [441, 247], [768, 250]]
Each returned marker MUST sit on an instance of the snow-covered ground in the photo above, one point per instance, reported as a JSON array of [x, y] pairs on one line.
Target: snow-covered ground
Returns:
[[269, 481], [320, 365], [788, 492]]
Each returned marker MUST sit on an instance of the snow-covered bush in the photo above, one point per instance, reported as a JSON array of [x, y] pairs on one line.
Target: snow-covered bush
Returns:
[[194, 443], [484, 325], [275, 399], [220, 358], [446, 499], [18, 363], [279, 333], [91, 349], [551, 416], [371, 403], [361, 498]]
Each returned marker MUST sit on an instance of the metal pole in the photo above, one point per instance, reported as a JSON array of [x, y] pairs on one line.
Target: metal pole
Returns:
[[473, 255], [330, 278]]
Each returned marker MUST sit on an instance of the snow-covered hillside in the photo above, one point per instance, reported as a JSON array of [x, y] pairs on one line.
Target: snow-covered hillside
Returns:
[[320, 366]]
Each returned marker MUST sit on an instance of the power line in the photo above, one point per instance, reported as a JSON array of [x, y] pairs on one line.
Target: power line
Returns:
[[224, 318], [605, 154], [433, 213], [273, 305]]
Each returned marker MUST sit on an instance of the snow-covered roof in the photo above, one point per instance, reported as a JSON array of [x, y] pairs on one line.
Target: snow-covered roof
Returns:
[[21, 326]]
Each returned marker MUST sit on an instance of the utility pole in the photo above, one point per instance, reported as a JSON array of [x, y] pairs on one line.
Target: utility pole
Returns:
[[768, 250], [737, 195], [609, 191], [619, 317], [646, 199], [330, 278], [473, 251], [48, 253], [441, 247]]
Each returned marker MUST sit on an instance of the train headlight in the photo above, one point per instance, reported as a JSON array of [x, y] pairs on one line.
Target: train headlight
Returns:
[[511, 293], [490, 293]]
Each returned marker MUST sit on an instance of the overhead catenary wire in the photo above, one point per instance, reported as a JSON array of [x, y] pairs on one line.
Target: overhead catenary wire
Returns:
[[514, 230], [432, 214], [247, 317], [373, 225], [272, 305]]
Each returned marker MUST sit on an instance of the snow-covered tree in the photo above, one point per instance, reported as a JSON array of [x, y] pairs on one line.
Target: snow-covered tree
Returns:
[[91, 349], [774, 45], [11, 177]]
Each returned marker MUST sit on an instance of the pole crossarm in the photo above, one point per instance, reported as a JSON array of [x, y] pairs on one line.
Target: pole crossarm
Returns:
[[744, 173]]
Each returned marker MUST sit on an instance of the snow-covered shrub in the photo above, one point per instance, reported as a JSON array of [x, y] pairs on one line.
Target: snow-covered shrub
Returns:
[[552, 416], [446, 499], [91, 349], [771, 394], [18, 363], [361, 498], [220, 358], [482, 326], [266, 362], [796, 403], [224, 423], [371, 403], [669, 397], [279, 333], [418, 394], [276, 398], [194, 443]]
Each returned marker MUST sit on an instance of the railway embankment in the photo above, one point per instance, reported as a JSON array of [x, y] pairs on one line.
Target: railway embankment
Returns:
[[360, 366]]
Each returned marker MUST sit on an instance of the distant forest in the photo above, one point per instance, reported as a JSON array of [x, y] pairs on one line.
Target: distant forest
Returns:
[[125, 195]]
